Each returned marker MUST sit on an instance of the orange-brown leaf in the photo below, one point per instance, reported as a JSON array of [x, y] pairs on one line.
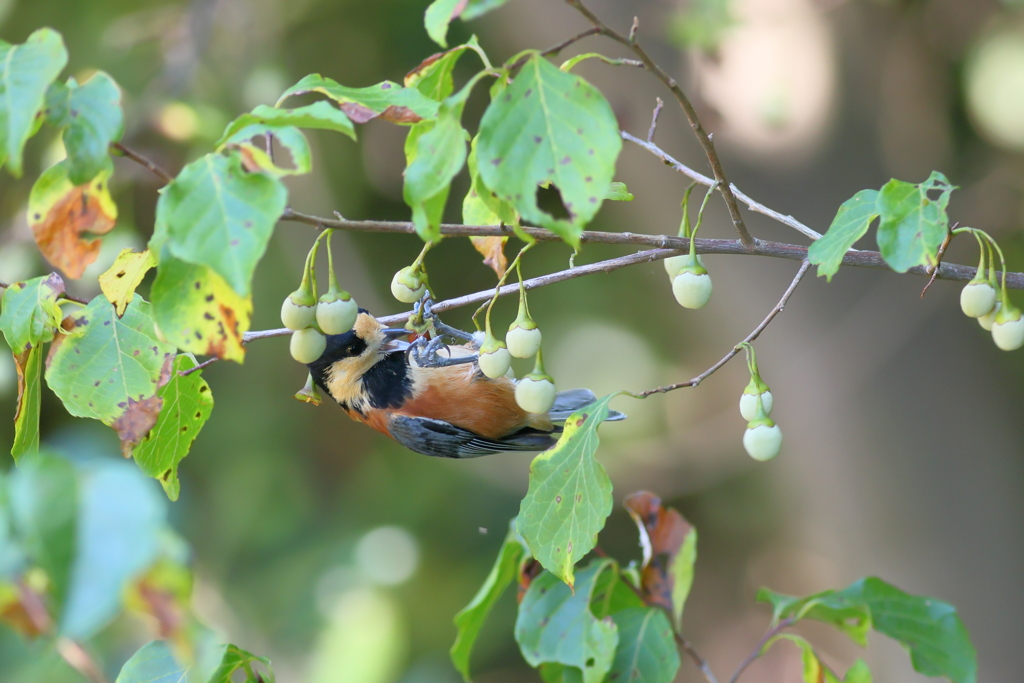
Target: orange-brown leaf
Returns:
[[493, 251], [662, 533]]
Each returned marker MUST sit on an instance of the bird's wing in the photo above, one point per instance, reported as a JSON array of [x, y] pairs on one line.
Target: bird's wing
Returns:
[[443, 439], [568, 402]]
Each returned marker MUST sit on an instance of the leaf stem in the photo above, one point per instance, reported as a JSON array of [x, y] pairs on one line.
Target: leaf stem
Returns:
[[756, 652]]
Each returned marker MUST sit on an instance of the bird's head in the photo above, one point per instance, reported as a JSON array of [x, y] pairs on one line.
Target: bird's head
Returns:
[[348, 357]]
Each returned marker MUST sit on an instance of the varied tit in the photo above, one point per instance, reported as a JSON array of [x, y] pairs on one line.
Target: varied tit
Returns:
[[447, 407]]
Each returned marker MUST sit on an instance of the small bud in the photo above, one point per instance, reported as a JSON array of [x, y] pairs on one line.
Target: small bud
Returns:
[[692, 287], [407, 286], [762, 440], [535, 393], [309, 393], [988, 320], [307, 345], [495, 359], [298, 310], [336, 312], [977, 299], [1008, 329], [748, 404]]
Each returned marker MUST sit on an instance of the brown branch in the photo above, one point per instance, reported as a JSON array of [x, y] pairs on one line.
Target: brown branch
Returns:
[[783, 250], [478, 297], [938, 258], [197, 368], [62, 295], [698, 661], [142, 161], [691, 115], [779, 307], [554, 50], [708, 182], [756, 652], [654, 119]]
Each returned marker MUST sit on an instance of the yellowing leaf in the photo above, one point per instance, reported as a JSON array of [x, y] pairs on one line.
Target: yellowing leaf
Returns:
[[26, 411], [30, 315], [60, 213], [197, 311], [121, 279], [493, 251]]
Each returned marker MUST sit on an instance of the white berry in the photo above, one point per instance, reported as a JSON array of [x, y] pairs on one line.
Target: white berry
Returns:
[[977, 299], [535, 395], [673, 264], [407, 286], [307, 345], [763, 442], [1009, 335], [522, 342], [495, 362], [295, 316], [989, 319], [692, 290], [748, 405], [338, 316]]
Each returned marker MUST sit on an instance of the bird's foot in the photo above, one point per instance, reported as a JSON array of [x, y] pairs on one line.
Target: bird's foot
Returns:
[[427, 354], [440, 327]]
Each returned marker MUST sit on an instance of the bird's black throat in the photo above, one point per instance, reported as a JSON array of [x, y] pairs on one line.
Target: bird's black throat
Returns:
[[387, 384]]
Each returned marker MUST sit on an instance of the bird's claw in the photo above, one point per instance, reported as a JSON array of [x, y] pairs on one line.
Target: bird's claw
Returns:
[[426, 354]]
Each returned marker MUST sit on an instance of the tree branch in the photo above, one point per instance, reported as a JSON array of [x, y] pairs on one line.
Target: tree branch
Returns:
[[142, 161], [772, 632], [793, 252], [708, 182], [698, 661], [691, 115], [779, 307]]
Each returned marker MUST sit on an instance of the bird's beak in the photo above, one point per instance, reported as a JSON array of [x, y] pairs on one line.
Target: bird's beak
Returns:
[[393, 342], [392, 333]]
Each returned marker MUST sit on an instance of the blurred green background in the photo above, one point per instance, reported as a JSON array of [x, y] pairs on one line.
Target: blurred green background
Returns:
[[344, 557]]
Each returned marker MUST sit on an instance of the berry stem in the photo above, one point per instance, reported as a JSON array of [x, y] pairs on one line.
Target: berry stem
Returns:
[[497, 288], [684, 224]]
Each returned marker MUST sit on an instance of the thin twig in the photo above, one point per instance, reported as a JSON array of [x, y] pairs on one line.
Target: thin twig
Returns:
[[478, 297], [698, 661], [654, 119], [938, 258], [792, 252], [704, 180], [197, 368], [143, 161], [779, 307], [554, 50], [75, 655], [756, 652], [691, 115]]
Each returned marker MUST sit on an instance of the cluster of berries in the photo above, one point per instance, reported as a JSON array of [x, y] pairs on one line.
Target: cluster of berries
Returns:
[[763, 438], [985, 298], [311, 318]]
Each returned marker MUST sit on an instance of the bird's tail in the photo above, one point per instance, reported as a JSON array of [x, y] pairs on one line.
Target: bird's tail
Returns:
[[568, 402]]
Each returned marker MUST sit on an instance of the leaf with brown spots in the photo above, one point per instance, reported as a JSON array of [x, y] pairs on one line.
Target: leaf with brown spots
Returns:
[[670, 550], [109, 366], [198, 311], [62, 213], [29, 314], [386, 100], [121, 279], [570, 495], [188, 402]]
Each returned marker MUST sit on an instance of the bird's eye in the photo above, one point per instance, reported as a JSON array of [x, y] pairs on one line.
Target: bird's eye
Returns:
[[350, 350]]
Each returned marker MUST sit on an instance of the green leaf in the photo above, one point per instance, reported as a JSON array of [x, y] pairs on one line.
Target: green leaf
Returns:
[[187, 403], [118, 283], [851, 222], [550, 126], [681, 571], [555, 624], [92, 119], [435, 156], [570, 495], [43, 498], [386, 100], [482, 202], [30, 315], [433, 77], [26, 414], [153, 663], [26, 71], [851, 617], [559, 673], [256, 158], [930, 629], [618, 192], [912, 226], [120, 520], [470, 618], [108, 368], [233, 658], [476, 8], [319, 115], [647, 651], [12, 557], [197, 311], [813, 671], [439, 14], [217, 215], [857, 673], [612, 594]]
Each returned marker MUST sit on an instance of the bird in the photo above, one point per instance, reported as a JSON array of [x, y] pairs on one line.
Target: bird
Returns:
[[435, 406]]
